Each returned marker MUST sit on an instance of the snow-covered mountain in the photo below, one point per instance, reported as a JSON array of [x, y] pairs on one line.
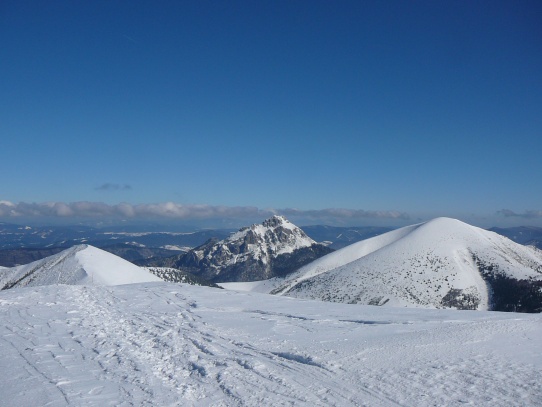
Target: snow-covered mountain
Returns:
[[275, 247], [82, 264], [443, 263]]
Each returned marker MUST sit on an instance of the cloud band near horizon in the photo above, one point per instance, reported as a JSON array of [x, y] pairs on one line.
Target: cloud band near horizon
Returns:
[[172, 210], [507, 213]]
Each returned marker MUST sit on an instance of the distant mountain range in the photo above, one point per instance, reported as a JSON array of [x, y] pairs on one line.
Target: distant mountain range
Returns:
[[443, 263], [20, 236], [21, 244], [31, 237], [24, 244], [526, 235]]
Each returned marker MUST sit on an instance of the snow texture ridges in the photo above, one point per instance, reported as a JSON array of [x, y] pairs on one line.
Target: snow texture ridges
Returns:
[[165, 344]]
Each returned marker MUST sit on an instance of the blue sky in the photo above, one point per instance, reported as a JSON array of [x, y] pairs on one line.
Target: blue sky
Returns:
[[390, 111]]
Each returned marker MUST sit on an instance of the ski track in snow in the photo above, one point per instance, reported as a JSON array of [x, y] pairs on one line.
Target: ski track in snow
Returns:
[[171, 345]]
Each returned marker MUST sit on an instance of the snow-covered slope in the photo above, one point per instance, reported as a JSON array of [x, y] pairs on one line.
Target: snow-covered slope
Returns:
[[258, 252], [438, 264], [163, 344], [81, 264], [326, 263]]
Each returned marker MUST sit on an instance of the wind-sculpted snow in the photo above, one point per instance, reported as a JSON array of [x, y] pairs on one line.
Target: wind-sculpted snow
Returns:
[[81, 264], [158, 344], [443, 263]]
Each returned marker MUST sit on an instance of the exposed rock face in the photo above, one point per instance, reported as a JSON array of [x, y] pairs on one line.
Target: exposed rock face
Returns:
[[274, 248]]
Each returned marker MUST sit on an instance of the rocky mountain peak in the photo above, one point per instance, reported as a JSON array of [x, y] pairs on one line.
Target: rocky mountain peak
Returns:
[[273, 236], [274, 221], [252, 252]]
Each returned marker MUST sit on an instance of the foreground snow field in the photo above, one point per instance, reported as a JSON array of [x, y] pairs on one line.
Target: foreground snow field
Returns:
[[165, 344]]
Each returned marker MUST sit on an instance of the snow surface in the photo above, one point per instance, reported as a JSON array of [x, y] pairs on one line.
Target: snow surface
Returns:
[[415, 266], [82, 264], [164, 344]]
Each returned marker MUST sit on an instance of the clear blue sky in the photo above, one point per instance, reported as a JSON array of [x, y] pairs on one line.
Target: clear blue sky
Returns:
[[423, 108]]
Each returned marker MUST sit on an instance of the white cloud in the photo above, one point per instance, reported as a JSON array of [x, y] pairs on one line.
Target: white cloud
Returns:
[[507, 213], [113, 187], [172, 210], [339, 213]]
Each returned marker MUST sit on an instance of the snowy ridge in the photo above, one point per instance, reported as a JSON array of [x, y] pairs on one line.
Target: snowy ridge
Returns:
[[163, 344], [443, 263], [80, 264]]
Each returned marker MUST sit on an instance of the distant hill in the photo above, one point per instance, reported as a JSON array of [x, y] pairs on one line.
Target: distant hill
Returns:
[[526, 235]]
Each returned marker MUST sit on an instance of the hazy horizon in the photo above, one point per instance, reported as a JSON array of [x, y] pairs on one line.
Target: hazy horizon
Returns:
[[171, 216]]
